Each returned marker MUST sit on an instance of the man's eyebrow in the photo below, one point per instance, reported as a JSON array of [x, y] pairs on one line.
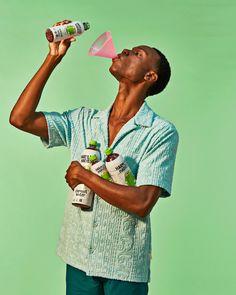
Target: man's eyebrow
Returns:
[[140, 49]]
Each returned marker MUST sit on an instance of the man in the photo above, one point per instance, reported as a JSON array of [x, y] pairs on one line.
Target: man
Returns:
[[107, 250]]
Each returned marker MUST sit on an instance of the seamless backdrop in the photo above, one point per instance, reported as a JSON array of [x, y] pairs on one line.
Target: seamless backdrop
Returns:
[[193, 231]]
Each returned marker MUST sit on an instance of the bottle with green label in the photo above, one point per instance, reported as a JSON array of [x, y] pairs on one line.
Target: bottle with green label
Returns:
[[83, 196], [99, 168], [119, 169], [72, 29]]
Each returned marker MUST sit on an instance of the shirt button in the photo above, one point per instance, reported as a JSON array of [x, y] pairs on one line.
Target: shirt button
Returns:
[[95, 223], [91, 250]]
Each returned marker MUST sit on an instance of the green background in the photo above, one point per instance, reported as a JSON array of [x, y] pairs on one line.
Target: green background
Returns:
[[194, 229]]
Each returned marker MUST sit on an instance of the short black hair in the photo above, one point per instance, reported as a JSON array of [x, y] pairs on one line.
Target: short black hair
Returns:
[[164, 73]]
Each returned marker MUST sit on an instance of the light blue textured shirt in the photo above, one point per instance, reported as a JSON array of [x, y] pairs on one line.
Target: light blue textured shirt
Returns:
[[107, 241]]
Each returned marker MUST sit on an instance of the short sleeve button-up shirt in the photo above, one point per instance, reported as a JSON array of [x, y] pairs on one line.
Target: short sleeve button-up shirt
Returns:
[[107, 241]]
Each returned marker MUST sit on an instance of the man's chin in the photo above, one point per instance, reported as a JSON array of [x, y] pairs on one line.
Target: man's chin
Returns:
[[114, 74]]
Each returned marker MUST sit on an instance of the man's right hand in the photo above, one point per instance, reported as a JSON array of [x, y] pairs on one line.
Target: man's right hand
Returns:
[[59, 49]]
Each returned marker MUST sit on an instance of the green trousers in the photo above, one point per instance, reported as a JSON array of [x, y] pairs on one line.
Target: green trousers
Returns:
[[78, 283]]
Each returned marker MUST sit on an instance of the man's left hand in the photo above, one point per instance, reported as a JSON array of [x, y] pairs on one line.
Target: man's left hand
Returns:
[[73, 174]]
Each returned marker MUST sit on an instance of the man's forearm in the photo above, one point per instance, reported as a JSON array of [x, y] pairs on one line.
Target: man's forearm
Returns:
[[128, 198], [28, 101]]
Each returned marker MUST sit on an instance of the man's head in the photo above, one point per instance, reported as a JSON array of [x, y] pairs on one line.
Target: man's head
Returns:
[[142, 64]]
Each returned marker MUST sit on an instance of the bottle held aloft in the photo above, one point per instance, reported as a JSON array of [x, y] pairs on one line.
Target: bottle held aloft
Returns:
[[58, 33]]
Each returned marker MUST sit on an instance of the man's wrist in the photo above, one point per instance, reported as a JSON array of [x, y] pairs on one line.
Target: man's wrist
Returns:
[[86, 175], [53, 59]]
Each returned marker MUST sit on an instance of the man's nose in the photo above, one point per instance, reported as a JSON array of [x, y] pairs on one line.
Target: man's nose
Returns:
[[125, 52]]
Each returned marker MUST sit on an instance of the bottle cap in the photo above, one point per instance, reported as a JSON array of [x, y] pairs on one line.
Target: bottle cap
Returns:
[[86, 26], [108, 151], [93, 142], [92, 158]]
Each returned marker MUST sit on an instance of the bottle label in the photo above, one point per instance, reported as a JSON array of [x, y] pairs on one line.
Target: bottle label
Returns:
[[84, 160], [66, 31], [82, 195], [120, 172], [101, 170]]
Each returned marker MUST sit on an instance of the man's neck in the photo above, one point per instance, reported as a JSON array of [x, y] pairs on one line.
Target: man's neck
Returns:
[[127, 103]]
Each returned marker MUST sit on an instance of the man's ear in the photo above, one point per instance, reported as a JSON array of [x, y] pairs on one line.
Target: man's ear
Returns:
[[151, 76]]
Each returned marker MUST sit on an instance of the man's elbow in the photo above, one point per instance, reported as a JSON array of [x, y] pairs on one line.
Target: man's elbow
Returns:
[[145, 205], [13, 120], [143, 212], [16, 121], [144, 209]]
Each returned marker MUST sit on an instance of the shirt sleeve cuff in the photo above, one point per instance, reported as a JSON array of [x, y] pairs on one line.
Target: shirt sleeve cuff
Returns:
[[47, 143], [166, 189]]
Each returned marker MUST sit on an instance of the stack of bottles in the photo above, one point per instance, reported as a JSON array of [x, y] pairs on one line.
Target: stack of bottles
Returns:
[[114, 169]]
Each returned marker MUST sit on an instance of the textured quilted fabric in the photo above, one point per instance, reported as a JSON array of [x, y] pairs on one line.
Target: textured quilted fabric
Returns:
[[107, 241]]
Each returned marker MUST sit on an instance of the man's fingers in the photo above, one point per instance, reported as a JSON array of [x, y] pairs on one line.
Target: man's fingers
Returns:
[[62, 22], [74, 163], [66, 42]]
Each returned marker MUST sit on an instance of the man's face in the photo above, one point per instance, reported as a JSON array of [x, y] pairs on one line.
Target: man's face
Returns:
[[134, 64]]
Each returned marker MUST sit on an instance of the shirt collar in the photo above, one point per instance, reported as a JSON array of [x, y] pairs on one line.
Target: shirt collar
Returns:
[[144, 116]]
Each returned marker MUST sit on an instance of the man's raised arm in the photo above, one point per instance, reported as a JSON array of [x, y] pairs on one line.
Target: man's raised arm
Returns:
[[23, 114]]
